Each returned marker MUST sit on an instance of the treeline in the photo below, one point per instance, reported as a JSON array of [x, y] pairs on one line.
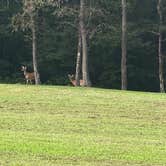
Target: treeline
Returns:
[[108, 43]]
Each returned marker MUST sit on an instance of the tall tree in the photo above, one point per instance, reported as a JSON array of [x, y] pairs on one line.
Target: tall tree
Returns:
[[33, 13], [78, 61], [85, 69], [160, 38], [28, 20], [124, 47]]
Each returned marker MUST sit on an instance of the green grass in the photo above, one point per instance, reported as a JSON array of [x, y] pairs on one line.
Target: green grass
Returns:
[[44, 125]]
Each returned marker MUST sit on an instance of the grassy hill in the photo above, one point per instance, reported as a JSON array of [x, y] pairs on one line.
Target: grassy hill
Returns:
[[44, 125]]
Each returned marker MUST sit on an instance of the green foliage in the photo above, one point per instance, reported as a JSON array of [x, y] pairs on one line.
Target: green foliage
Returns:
[[57, 42]]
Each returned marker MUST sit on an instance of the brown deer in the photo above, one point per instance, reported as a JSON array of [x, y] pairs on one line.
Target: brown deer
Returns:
[[29, 77], [73, 81]]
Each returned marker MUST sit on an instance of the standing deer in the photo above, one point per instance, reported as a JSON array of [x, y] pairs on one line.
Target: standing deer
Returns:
[[28, 76], [73, 81]]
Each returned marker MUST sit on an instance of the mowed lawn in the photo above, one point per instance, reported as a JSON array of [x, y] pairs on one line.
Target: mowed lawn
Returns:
[[54, 125]]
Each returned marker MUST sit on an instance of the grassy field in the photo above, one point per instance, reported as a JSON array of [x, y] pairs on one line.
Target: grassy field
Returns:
[[47, 126]]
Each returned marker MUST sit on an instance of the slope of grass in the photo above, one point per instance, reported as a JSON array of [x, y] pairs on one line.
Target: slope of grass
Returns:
[[44, 125]]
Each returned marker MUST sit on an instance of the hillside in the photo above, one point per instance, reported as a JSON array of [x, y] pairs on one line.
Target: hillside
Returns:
[[48, 125]]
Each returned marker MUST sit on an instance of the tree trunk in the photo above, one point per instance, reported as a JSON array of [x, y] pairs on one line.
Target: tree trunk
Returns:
[[78, 62], [85, 70], [124, 48], [159, 8], [34, 52]]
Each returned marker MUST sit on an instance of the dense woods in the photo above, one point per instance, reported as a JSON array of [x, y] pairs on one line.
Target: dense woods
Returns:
[[108, 43]]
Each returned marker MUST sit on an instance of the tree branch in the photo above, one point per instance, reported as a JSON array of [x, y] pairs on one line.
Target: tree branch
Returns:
[[153, 32]]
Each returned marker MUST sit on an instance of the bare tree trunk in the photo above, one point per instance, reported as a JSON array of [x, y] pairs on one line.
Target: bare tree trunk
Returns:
[[78, 62], [34, 51], [85, 70], [124, 48], [159, 8]]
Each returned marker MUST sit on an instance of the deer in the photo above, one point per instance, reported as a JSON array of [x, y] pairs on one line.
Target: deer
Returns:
[[29, 77], [73, 81]]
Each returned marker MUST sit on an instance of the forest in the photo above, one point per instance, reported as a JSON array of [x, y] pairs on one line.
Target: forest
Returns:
[[117, 44]]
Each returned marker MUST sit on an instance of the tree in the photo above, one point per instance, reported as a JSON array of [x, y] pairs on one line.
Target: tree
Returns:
[[124, 48], [160, 38], [33, 13], [28, 20], [85, 69], [78, 61]]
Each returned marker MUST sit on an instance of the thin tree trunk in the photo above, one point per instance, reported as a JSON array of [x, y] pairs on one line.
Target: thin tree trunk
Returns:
[[78, 62], [85, 70], [34, 51], [159, 6], [124, 47]]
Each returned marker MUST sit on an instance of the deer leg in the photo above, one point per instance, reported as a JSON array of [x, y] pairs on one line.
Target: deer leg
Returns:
[[27, 81]]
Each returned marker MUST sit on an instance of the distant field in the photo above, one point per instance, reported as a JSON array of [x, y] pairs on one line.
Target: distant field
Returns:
[[47, 126]]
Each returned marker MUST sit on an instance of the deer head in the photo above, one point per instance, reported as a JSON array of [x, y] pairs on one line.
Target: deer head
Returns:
[[73, 81], [71, 76], [23, 68]]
